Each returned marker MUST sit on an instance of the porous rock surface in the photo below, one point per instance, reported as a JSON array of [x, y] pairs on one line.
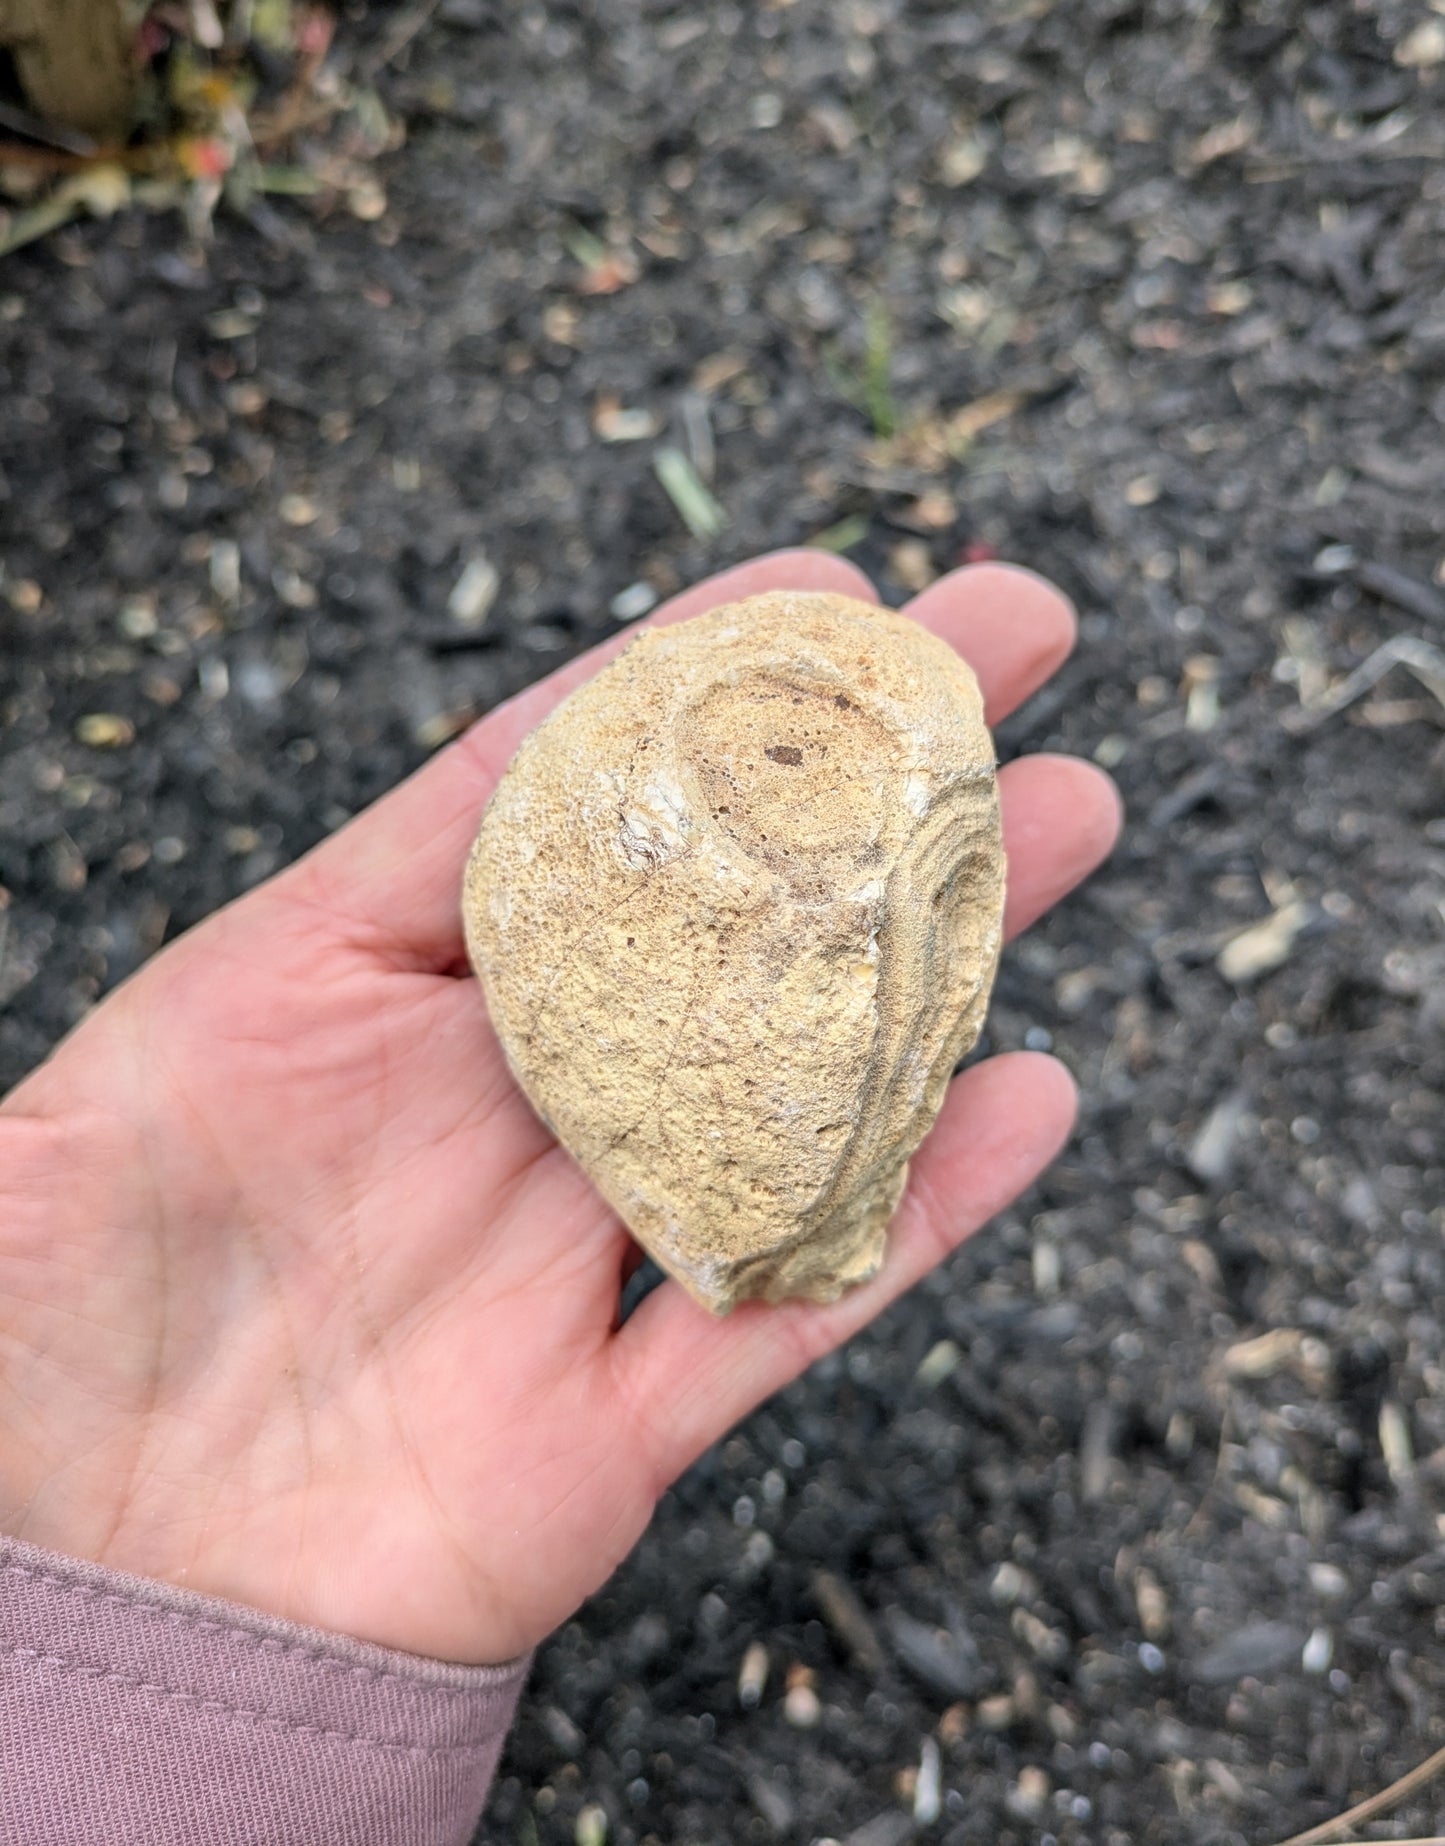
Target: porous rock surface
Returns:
[[736, 907]]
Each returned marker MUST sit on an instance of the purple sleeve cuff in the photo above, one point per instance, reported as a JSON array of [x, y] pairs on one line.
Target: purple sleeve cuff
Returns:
[[135, 1714]]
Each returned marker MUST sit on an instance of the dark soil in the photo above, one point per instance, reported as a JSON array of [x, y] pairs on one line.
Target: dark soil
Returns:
[[1138, 1585]]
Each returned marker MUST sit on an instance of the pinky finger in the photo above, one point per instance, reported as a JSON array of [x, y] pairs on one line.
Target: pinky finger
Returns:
[[686, 1378]]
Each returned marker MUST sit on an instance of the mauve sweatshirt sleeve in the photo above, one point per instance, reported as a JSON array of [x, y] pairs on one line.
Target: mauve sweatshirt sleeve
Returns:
[[133, 1714]]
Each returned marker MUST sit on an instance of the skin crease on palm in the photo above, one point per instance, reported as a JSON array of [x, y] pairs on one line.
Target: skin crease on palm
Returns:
[[301, 1306]]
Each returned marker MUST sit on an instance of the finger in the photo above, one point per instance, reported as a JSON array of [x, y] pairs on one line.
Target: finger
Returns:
[[685, 1378], [1013, 627], [393, 876], [1061, 818]]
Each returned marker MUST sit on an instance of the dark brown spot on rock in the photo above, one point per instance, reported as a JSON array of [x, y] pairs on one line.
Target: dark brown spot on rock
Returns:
[[785, 753]]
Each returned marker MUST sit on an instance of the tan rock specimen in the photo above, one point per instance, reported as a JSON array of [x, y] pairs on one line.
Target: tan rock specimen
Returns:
[[736, 906]]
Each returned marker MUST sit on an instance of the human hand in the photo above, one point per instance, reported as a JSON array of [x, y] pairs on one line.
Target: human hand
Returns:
[[302, 1306]]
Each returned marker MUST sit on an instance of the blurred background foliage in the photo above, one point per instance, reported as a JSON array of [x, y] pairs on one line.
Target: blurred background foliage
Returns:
[[186, 104]]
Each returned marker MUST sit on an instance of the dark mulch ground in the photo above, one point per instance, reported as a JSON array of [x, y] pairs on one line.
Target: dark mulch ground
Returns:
[[1138, 1589]]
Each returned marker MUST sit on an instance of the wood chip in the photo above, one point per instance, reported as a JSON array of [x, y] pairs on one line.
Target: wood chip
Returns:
[[982, 414], [928, 1790], [591, 1827], [1152, 1604], [25, 596], [1030, 1793], [938, 1363], [752, 1675], [613, 422], [105, 730], [719, 370], [1223, 139], [850, 1621], [297, 510], [1262, 1357], [1201, 691], [1263, 947], [1213, 1151], [1396, 1445], [474, 591], [1423, 48], [911, 562]]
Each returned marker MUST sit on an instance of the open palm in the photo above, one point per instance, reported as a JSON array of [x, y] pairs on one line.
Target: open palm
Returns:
[[302, 1306]]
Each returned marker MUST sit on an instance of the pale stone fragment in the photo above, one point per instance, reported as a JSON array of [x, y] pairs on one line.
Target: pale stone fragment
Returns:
[[736, 907]]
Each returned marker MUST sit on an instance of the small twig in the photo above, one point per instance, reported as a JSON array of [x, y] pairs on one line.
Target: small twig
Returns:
[[1330, 1830], [1425, 661]]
